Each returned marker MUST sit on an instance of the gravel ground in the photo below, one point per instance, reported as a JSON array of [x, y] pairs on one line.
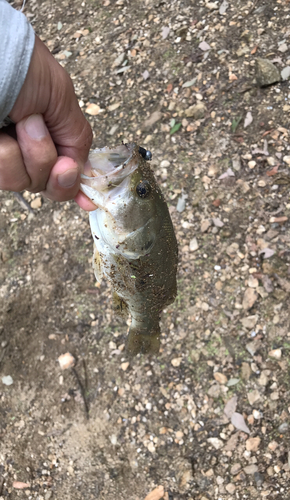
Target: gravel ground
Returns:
[[208, 418]]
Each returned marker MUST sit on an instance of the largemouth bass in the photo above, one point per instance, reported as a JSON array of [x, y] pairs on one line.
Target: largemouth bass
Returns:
[[135, 247]]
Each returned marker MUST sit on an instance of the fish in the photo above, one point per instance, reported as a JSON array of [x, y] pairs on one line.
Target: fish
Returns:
[[135, 247]]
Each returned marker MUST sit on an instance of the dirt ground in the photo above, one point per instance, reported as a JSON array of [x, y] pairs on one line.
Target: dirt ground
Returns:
[[208, 418]]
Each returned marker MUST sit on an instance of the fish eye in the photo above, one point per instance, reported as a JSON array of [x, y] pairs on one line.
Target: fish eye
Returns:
[[143, 189]]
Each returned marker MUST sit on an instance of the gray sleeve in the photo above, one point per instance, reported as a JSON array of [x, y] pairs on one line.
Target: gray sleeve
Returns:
[[17, 43]]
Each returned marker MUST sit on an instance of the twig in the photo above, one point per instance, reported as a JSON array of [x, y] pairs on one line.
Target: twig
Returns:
[[82, 392], [22, 202]]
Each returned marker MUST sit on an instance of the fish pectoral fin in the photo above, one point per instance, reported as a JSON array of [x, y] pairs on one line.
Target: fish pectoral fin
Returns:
[[143, 342], [97, 265], [120, 307]]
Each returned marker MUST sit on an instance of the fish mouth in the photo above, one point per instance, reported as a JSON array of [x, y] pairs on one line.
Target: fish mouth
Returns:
[[110, 170]]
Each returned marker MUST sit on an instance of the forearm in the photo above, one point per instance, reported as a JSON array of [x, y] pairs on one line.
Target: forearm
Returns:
[[16, 47]]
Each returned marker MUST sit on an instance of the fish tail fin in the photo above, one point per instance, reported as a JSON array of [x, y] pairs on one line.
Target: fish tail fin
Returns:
[[143, 341]]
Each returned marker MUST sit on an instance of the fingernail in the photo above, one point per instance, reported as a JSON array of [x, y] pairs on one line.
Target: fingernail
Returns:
[[35, 127], [68, 178]]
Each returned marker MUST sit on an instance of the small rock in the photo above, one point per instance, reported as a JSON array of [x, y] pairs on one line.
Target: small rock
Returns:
[[216, 443], [165, 164], [220, 378], [285, 73], [250, 321], [274, 396], [249, 299], [283, 47], [212, 6], [151, 447], [251, 469], [275, 353], [259, 479], [240, 476], [197, 111], [193, 245], [266, 72], [253, 282], [118, 61], [253, 396], [176, 362], [230, 488], [252, 164], [286, 159], [181, 202], [205, 225], [125, 365], [252, 347], [235, 469], [18, 485], [214, 391], [283, 428], [246, 371], [236, 162], [7, 380], [253, 443], [66, 361], [273, 445], [155, 117], [36, 203], [204, 46], [92, 109], [218, 223], [263, 379]]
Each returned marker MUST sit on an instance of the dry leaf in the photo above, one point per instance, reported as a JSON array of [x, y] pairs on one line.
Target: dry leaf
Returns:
[[267, 253], [228, 173], [230, 407], [169, 88], [254, 50], [239, 423], [273, 171]]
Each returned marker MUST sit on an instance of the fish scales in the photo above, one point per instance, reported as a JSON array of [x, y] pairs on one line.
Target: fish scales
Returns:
[[135, 244]]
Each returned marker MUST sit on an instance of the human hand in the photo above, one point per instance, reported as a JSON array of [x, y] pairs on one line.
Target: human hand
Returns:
[[53, 137]]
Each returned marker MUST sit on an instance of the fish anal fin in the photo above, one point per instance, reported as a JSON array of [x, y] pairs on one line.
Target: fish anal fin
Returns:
[[120, 307], [97, 265]]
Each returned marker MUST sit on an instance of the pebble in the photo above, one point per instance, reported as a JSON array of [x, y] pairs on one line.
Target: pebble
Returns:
[[205, 225], [193, 245], [7, 380], [36, 203], [251, 469], [283, 428], [286, 159], [253, 443], [216, 443], [124, 366], [235, 469], [230, 488], [66, 361], [257, 414], [214, 391], [252, 164], [253, 282], [176, 362], [250, 297], [155, 494], [273, 445], [258, 479], [151, 447], [164, 164], [275, 353], [249, 321], [220, 378]]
